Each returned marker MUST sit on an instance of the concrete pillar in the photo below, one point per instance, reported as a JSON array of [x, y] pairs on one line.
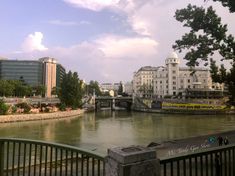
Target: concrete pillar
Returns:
[[113, 104], [132, 161]]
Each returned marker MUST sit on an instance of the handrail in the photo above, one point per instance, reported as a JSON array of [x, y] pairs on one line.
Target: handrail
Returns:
[[53, 144], [198, 153], [220, 160], [30, 157]]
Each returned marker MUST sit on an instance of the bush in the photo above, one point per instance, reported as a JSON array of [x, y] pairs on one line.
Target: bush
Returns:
[[3, 108], [62, 107], [24, 106], [13, 109]]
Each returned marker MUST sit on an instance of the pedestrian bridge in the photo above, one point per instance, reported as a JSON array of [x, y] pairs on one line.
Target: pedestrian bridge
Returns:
[[29, 157], [113, 102]]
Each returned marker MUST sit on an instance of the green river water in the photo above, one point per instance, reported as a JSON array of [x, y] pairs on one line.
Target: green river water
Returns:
[[105, 129]]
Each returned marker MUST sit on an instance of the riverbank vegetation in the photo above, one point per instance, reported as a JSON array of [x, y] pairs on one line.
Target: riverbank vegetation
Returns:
[[71, 92], [192, 106], [18, 88]]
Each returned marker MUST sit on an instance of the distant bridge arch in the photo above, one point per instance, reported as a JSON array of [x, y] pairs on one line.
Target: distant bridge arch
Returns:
[[113, 102]]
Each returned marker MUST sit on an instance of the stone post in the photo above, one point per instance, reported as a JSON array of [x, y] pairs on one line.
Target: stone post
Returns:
[[132, 161]]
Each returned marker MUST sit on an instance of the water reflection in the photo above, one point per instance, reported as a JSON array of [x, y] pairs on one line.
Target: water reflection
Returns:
[[102, 130]]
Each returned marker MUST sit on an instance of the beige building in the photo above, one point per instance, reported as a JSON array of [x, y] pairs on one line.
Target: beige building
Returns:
[[143, 81], [170, 80], [49, 74]]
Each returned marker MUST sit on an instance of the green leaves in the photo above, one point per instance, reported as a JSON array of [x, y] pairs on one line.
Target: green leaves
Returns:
[[207, 36], [71, 90], [228, 3]]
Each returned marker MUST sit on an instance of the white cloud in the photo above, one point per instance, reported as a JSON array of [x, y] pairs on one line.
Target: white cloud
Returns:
[[63, 23], [127, 47], [106, 58], [33, 42], [95, 5], [68, 23]]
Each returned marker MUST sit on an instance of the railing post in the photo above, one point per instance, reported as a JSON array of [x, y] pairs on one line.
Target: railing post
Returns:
[[132, 161], [1, 158]]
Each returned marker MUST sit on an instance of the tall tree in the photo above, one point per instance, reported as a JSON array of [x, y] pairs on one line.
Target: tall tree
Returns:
[[71, 90], [6, 88], [93, 86], [207, 36], [120, 89]]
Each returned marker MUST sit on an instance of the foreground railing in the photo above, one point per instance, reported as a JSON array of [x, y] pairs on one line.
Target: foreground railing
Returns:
[[30, 157], [219, 161]]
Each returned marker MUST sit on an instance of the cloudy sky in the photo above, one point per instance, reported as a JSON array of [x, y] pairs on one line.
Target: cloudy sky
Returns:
[[104, 40]]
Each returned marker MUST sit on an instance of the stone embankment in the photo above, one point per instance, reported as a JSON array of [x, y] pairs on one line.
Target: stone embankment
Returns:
[[40, 116]]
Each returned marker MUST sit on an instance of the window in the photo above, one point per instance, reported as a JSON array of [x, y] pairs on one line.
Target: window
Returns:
[[188, 80], [174, 83], [181, 81], [174, 88], [189, 86], [173, 77], [167, 86], [160, 82], [173, 71]]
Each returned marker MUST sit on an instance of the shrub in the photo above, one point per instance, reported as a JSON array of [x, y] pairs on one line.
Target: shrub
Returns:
[[3, 108], [62, 107], [24, 106], [13, 109]]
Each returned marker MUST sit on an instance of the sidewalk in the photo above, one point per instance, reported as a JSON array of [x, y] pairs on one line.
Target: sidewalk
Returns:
[[194, 144]]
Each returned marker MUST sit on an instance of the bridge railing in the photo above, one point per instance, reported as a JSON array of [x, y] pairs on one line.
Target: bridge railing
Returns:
[[217, 161], [30, 157]]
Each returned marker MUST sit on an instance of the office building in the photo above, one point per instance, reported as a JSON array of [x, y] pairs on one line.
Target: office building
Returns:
[[45, 71]]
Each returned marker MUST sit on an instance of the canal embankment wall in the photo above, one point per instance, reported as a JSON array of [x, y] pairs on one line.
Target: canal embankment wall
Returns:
[[184, 111], [40, 116]]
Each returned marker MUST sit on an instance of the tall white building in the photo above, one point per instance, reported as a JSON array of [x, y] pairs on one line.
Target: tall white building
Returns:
[[170, 80]]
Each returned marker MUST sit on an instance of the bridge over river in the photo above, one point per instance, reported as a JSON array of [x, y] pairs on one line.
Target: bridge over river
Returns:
[[113, 103]]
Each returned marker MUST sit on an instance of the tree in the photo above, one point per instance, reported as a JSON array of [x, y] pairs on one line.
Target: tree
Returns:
[[6, 88], [207, 36], [55, 91], [228, 3], [71, 90], [3, 108], [39, 90], [93, 86], [120, 89]]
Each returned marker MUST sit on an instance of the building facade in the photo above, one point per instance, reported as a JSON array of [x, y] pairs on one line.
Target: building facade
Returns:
[[170, 80], [143, 81], [31, 72], [49, 74], [44, 71]]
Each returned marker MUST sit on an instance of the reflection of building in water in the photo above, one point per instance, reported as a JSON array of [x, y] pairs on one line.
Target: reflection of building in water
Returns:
[[172, 80], [49, 132]]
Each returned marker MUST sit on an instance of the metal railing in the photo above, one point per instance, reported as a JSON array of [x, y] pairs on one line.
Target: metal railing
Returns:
[[219, 161], [31, 158]]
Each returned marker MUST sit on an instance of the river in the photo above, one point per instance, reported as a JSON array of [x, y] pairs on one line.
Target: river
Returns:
[[105, 129]]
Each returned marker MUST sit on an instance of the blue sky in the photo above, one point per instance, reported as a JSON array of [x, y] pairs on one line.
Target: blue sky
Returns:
[[104, 40]]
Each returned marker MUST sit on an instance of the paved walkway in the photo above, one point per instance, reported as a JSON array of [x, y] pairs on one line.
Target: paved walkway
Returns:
[[194, 144]]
